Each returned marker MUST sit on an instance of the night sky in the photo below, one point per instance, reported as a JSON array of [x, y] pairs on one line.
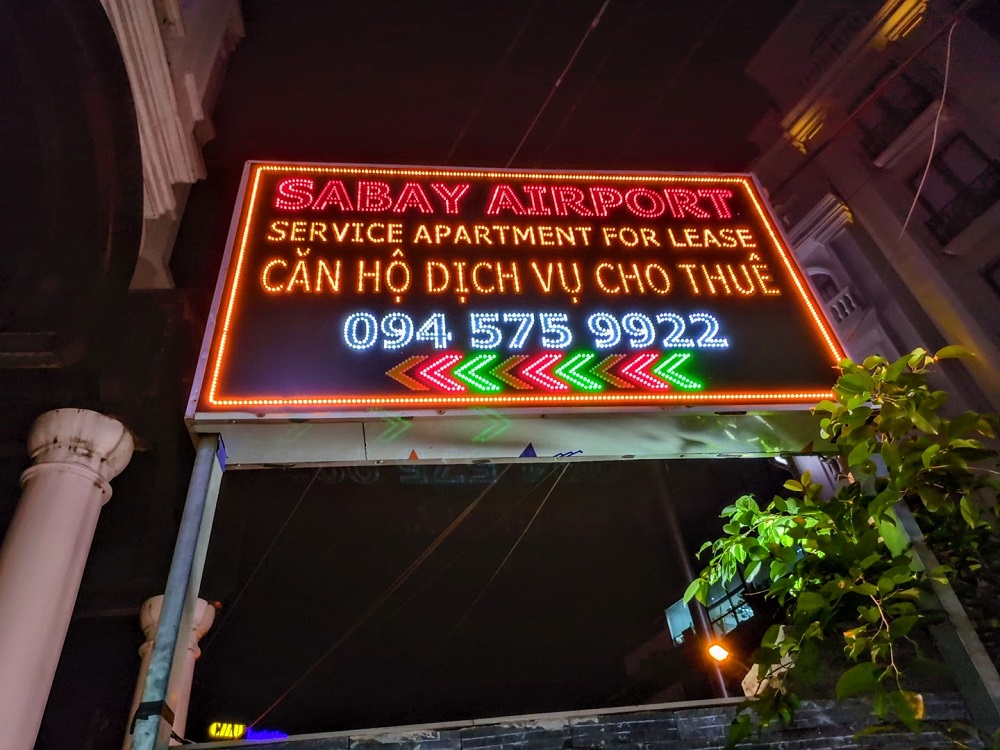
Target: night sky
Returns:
[[657, 86]]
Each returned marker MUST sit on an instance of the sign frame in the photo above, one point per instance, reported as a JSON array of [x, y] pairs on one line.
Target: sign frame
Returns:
[[442, 410]]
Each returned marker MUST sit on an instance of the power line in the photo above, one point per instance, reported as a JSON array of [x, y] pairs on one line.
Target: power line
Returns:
[[232, 607], [679, 71], [485, 588], [852, 115], [571, 112], [461, 553], [937, 122], [489, 84], [559, 80], [384, 597]]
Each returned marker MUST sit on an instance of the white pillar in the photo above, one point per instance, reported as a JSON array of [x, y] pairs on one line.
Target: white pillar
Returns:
[[182, 671], [75, 453]]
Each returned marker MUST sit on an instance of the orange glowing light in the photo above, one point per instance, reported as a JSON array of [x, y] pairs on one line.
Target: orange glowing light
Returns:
[[718, 652]]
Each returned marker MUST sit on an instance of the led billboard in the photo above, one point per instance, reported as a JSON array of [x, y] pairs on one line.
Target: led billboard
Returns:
[[400, 289]]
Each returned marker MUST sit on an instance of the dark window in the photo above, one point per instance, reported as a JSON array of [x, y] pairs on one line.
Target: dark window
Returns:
[[992, 275], [826, 286], [883, 120], [961, 184]]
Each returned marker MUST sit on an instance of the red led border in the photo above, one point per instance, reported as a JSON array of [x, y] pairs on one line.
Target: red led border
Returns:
[[652, 399]]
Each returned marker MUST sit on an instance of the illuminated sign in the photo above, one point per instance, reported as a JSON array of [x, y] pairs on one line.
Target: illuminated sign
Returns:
[[399, 289], [227, 730]]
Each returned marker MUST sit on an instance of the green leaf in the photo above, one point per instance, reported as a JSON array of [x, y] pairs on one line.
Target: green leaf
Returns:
[[969, 511], [916, 358], [739, 730], [809, 602], [778, 570], [855, 401], [857, 417], [771, 635], [857, 680], [857, 647], [950, 352], [859, 453], [909, 707], [963, 443], [852, 383], [894, 370], [891, 456], [793, 485], [865, 589], [697, 589], [919, 420], [931, 497], [903, 625], [873, 361], [880, 704], [885, 584], [928, 454], [827, 406]]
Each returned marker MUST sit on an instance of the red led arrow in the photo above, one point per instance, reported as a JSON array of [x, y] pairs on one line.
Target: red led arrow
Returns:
[[636, 370], [398, 373], [534, 371], [434, 372]]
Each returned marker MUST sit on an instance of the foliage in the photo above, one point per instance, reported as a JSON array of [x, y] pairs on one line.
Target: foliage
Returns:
[[840, 566]]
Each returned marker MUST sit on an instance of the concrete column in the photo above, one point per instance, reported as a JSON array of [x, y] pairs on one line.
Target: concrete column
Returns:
[[182, 671], [75, 453]]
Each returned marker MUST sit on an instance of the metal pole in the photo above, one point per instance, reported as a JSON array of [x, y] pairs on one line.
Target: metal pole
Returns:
[[701, 624], [150, 733]]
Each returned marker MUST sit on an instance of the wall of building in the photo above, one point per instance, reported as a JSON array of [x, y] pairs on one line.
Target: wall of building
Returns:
[[858, 113], [175, 52], [819, 725]]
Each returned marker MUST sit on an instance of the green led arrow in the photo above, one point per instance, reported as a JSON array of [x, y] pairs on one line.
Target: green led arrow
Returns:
[[397, 426], [496, 425], [667, 367], [469, 373], [569, 370]]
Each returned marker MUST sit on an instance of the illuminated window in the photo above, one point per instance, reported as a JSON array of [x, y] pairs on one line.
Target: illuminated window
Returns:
[[961, 184], [727, 608]]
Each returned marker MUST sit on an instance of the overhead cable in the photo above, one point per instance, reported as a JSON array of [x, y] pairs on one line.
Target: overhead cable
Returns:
[[559, 80], [489, 84], [384, 597]]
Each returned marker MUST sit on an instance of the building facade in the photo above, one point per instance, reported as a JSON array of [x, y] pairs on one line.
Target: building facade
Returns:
[[107, 107], [864, 93]]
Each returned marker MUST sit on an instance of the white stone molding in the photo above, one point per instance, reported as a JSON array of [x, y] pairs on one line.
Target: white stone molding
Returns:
[[823, 222], [916, 134], [169, 152]]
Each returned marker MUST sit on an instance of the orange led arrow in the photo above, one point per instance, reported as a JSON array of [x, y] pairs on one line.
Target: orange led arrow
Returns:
[[502, 372], [398, 373], [603, 371]]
